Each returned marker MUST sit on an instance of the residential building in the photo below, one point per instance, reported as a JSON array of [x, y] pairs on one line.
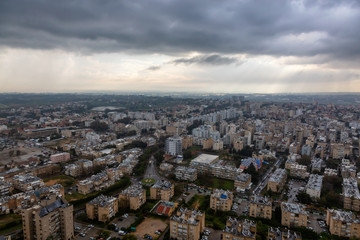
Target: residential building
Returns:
[[242, 181], [185, 173], [102, 208], [60, 157], [51, 218], [27, 182], [163, 190], [260, 207], [343, 223], [239, 229], [283, 234], [293, 215], [133, 197], [314, 185], [187, 224], [330, 172], [277, 180], [351, 194], [6, 187], [298, 171], [173, 146], [221, 200]]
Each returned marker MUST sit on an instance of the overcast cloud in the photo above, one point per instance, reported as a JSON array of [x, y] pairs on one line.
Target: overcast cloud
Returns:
[[199, 34]]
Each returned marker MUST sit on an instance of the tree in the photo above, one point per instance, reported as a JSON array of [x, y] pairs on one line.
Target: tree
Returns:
[[254, 174], [129, 237], [305, 160], [99, 126], [304, 198]]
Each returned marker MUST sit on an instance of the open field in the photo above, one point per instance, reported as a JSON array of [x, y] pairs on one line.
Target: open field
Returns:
[[149, 226], [214, 182], [64, 180]]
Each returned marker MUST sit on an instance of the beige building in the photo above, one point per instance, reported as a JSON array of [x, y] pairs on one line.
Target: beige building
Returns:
[[342, 223], [187, 224], [242, 181], [221, 200], [293, 215], [260, 207], [163, 190], [133, 197], [351, 194], [50, 218], [299, 171], [277, 180], [314, 185], [239, 229], [282, 234], [102, 208]]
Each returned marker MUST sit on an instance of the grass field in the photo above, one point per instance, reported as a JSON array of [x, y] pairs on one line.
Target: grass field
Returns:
[[214, 182], [9, 223], [64, 180]]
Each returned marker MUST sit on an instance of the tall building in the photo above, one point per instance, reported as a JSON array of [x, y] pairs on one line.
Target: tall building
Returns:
[[239, 229], [282, 234], [277, 180], [221, 200], [260, 207], [293, 215], [342, 223], [185, 173], [314, 185], [51, 218], [173, 146], [163, 190], [102, 208], [351, 194], [133, 197], [242, 181], [187, 224]]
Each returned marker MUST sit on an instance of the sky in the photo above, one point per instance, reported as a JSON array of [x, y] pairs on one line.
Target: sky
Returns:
[[237, 46]]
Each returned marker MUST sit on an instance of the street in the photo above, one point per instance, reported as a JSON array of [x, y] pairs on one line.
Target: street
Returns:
[[265, 179]]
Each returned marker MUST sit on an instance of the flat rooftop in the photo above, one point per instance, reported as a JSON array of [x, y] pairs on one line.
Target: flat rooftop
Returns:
[[205, 159]]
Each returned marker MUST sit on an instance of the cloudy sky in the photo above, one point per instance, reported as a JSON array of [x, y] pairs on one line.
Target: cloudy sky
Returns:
[[266, 46]]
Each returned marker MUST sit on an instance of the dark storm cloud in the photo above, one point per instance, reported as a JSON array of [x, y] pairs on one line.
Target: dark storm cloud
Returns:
[[213, 59], [277, 27]]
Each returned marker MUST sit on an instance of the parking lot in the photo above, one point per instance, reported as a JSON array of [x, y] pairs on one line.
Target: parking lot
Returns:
[[214, 234], [125, 222], [294, 187]]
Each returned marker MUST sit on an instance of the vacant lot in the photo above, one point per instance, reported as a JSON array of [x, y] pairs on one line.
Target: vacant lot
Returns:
[[149, 226], [64, 180], [214, 182]]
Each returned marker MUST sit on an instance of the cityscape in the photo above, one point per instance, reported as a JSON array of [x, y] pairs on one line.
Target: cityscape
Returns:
[[179, 120]]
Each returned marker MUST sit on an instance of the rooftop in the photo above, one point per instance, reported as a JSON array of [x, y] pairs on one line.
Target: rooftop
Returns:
[[187, 216], [293, 208], [278, 175], [350, 188], [103, 201], [315, 182], [205, 159]]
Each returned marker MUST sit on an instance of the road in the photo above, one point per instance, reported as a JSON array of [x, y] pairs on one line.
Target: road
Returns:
[[265, 179], [151, 171]]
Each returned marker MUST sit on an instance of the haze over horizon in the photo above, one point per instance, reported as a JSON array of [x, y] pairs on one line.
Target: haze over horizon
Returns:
[[180, 46]]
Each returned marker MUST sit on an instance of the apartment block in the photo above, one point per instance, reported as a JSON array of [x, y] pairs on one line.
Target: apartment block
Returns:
[[242, 181], [330, 172], [133, 197], [283, 234], [102, 208], [173, 146], [186, 174], [260, 207], [51, 218], [163, 190], [299, 171], [314, 185], [187, 224], [239, 229], [277, 180], [351, 194], [27, 182], [6, 187], [60, 157], [221, 200], [343, 223], [293, 215]]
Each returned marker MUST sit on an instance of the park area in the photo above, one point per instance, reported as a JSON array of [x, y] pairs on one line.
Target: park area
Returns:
[[149, 226]]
